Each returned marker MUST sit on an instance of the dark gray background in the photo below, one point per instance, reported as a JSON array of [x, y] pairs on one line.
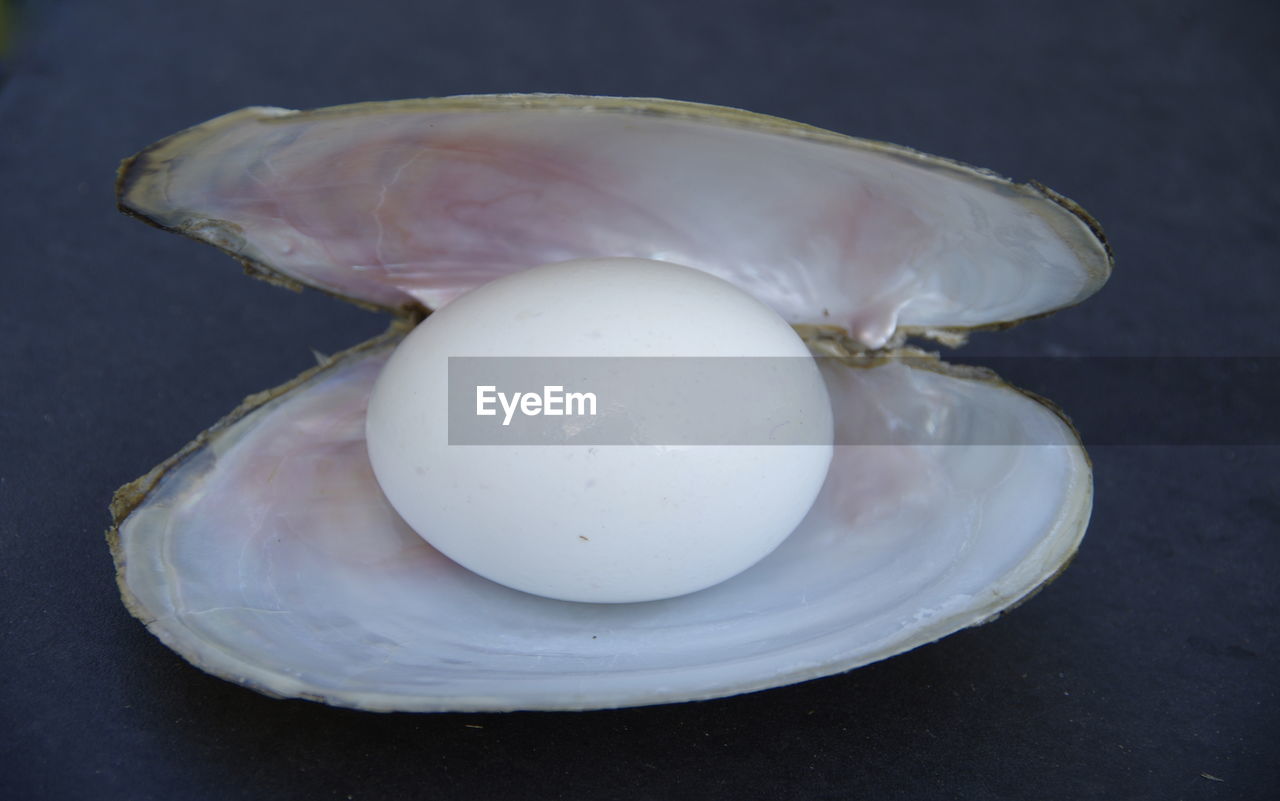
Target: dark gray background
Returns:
[[1152, 661]]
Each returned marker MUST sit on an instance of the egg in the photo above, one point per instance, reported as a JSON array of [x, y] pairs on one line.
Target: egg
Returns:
[[602, 430]]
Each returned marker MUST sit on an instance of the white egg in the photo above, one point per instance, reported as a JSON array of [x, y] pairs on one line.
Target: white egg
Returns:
[[630, 503]]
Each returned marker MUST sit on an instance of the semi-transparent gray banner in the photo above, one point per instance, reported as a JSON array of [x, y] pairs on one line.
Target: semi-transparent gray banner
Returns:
[[903, 401]]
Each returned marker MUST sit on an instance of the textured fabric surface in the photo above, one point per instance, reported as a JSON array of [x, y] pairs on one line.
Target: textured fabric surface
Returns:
[[1148, 670]]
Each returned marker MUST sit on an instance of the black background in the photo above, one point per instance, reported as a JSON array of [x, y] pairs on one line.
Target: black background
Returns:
[[1149, 664]]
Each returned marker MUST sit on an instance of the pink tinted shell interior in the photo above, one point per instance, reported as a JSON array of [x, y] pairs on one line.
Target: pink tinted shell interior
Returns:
[[415, 202]]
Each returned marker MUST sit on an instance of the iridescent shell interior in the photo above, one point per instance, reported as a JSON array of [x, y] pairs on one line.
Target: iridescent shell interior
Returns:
[[265, 553]]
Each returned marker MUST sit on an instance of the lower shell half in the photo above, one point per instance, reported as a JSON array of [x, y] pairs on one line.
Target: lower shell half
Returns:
[[266, 554]]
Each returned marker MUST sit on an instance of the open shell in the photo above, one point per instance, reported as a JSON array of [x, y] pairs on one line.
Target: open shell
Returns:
[[265, 553]]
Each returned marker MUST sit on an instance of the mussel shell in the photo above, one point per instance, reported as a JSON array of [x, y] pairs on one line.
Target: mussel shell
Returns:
[[265, 553]]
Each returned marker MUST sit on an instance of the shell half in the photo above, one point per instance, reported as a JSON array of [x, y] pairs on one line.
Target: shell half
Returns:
[[265, 553]]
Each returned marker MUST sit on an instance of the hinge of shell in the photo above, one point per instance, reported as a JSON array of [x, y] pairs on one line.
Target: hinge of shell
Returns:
[[832, 341]]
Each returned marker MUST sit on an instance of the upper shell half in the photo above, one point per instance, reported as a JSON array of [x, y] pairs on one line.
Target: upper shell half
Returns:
[[265, 553]]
